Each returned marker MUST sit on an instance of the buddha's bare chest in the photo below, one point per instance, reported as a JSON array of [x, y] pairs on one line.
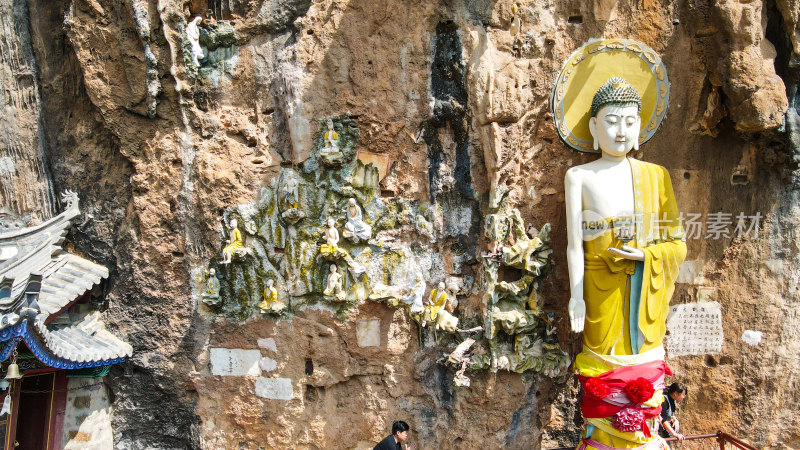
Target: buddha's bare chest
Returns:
[[608, 192]]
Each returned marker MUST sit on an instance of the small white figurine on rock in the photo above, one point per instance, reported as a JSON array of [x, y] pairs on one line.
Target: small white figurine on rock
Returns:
[[193, 34], [329, 153], [270, 302], [290, 200], [416, 294], [356, 229], [333, 287], [436, 312], [330, 249], [331, 139], [210, 293], [290, 195], [331, 235]]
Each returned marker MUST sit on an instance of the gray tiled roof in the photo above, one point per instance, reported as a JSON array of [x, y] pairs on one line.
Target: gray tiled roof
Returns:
[[65, 278], [37, 250], [29, 250], [87, 340], [29, 253]]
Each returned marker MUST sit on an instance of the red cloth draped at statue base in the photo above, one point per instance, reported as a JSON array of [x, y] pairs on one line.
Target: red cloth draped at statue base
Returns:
[[609, 393]]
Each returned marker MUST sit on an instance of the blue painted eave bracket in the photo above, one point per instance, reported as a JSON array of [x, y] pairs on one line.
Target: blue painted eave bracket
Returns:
[[23, 332]]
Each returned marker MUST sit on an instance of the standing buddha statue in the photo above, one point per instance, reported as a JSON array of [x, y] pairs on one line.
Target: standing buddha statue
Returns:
[[625, 247]]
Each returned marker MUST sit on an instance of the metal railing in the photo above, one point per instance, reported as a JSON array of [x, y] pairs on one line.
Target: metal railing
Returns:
[[722, 438]]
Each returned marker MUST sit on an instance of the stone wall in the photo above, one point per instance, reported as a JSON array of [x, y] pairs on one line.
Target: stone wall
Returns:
[[159, 149], [87, 417]]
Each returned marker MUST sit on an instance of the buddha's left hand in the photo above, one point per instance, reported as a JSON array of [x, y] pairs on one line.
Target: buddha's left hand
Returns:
[[628, 252]]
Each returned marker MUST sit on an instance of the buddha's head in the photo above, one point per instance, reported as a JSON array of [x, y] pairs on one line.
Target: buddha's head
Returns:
[[441, 285], [270, 282], [330, 223], [211, 273], [330, 124], [234, 224], [333, 268], [615, 122], [351, 202]]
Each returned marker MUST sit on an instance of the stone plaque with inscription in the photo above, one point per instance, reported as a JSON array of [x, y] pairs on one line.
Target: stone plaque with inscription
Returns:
[[694, 329]]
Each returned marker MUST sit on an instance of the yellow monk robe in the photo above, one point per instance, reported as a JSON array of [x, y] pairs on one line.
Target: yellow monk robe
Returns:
[[236, 241], [438, 300], [270, 298], [627, 301], [616, 322], [332, 135]]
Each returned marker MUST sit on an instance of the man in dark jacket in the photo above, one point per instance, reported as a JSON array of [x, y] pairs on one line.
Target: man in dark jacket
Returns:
[[669, 423], [398, 436]]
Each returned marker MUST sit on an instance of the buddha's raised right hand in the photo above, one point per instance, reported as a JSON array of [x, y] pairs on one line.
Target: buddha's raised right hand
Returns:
[[577, 314]]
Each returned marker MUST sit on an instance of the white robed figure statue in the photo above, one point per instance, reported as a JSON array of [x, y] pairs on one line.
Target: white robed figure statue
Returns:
[[193, 34], [355, 228]]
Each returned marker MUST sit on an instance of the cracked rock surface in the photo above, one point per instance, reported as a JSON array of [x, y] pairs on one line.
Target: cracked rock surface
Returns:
[[100, 99]]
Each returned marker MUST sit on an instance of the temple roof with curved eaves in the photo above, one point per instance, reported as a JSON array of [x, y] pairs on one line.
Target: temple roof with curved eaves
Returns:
[[39, 281]]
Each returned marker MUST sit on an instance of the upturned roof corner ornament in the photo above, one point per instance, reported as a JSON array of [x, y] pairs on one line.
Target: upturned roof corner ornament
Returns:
[[70, 201], [39, 281]]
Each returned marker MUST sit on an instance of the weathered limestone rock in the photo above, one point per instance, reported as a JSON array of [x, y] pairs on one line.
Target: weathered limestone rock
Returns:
[[499, 94], [158, 167], [740, 59], [26, 190], [790, 13]]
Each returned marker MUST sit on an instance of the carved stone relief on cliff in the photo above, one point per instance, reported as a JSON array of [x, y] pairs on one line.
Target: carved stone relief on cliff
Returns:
[[321, 236]]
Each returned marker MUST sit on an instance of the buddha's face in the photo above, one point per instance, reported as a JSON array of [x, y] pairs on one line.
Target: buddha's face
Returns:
[[330, 223], [441, 286], [616, 129], [234, 223], [330, 124]]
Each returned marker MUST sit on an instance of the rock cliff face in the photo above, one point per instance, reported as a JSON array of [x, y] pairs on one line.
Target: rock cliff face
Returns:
[[102, 97], [26, 190]]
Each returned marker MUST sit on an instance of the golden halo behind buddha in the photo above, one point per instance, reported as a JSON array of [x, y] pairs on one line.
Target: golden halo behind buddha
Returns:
[[592, 65]]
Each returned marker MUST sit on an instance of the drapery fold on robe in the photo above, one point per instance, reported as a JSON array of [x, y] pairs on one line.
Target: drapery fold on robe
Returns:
[[661, 237], [618, 320]]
